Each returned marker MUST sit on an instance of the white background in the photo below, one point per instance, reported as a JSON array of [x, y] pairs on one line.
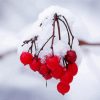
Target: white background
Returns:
[[18, 83]]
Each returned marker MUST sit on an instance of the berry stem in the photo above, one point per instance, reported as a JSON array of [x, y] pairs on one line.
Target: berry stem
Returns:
[[46, 84], [33, 41], [30, 48], [53, 34], [69, 30], [64, 62], [35, 38], [44, 45], [26, 42], [58, 26]]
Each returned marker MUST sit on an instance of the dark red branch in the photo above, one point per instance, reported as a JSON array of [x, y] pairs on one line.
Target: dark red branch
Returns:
[[84, 43], [53, 34], [81, 43], [44, 45], [64, 63], [31, 47], [58, 26], [67, 31], [33, 41]]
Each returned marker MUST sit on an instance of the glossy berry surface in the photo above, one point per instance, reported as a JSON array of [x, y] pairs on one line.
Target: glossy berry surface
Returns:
[[71, 56], [52, 62], [26, 58], [73, 68], [35, 64], [44, 70], [58, 73], [67, 77], [63, 88]]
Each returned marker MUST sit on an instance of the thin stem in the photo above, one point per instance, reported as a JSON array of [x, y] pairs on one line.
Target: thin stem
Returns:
[[44, 45], [53, 35], [33, 41], [26, 42], [46, 83], [85, 43], [30, 48], [58, 27], [35, 46], [67, 31], [64, 61]]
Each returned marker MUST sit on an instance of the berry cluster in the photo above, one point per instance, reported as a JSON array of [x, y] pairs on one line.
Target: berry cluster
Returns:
[[51, 67]]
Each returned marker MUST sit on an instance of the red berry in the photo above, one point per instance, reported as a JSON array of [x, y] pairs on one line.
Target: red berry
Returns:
[[71, 56], [73, 68], [52, 62], [67, 77], [44, 70], [63, 88], [58, 72], [26, 58], [35, 65], [47, 77]]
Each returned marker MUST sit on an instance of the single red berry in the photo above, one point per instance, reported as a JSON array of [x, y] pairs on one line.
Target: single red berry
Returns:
[[26, 58], [35, 64], [63, 88], [44, 70], [72, 68], [58, 72], [52, 62], [67, 77], [71, 56]]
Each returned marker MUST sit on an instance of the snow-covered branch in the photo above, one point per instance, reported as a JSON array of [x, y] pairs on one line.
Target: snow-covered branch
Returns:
[[81, 43]]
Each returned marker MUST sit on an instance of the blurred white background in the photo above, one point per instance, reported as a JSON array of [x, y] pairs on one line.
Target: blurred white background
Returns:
[[18, 83]]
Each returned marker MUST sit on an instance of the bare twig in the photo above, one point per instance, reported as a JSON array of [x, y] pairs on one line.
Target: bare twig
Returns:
[[84, 43], [56, 18], [33, 41], [67, 30], [44, 45], [81, 43]]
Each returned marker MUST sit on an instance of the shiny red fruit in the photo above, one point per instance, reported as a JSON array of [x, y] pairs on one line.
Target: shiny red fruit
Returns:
[[67, 77], [71, 56], [44, 70], [63, 88], [26, 58], [35, 64], [58, 73], [52, 62], [73, 69]]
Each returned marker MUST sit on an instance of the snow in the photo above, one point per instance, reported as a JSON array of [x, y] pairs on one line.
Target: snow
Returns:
[[22, 81], [60, 46], [17, 82]]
